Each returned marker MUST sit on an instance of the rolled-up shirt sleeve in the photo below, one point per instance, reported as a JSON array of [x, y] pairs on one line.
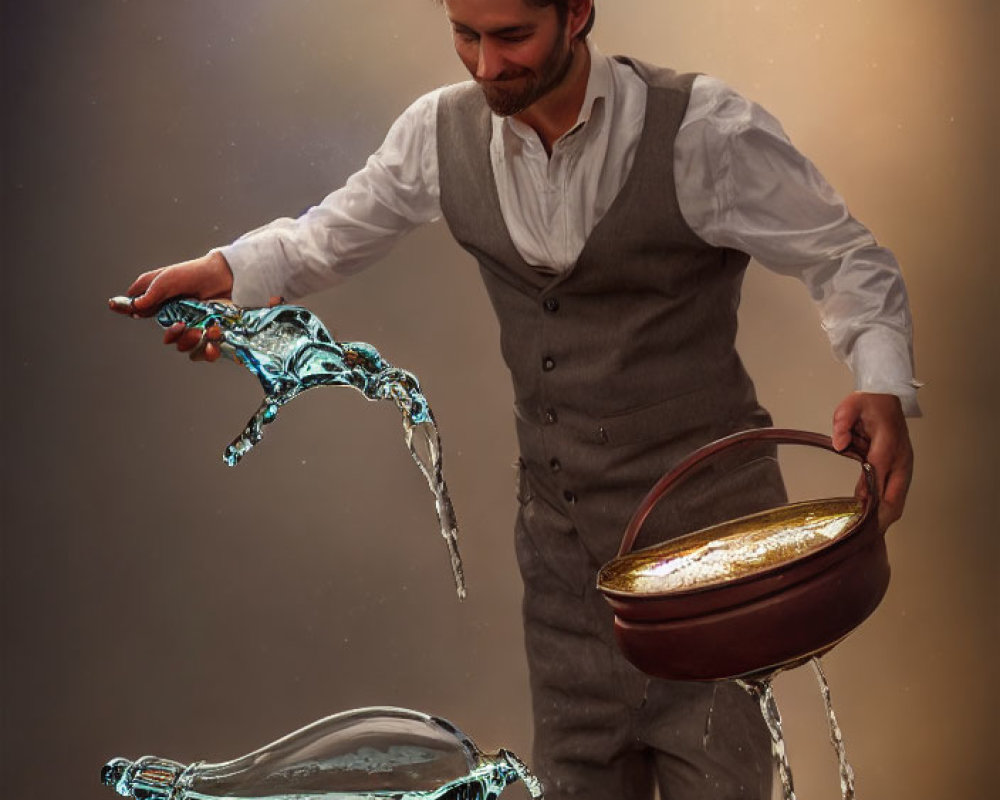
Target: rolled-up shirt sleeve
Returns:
[[397, 190], [741, 184]]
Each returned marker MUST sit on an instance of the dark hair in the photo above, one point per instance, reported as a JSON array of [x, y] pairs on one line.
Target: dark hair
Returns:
[[562, 9]]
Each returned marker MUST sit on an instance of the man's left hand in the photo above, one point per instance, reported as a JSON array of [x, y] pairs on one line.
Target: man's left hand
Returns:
[[875, 426]]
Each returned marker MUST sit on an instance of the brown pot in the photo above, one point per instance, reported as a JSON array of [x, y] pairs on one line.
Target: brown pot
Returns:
[[752, 595]]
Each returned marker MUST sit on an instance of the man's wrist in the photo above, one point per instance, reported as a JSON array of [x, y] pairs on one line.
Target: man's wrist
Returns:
[[906, 393]]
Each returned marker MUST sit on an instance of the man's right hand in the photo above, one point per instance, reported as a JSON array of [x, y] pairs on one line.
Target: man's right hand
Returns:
[[206, 278]]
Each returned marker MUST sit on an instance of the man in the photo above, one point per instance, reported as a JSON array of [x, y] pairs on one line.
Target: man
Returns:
[[612, 207]]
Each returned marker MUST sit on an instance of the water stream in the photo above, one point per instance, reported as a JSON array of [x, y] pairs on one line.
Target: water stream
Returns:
[[836, 738], [290, 350], [762, 690]]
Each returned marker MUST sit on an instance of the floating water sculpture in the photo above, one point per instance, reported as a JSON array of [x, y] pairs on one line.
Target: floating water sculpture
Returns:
[[290, 350], [363, 754]]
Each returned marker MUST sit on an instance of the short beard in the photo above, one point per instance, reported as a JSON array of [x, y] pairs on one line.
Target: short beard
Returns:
[[508, 102]]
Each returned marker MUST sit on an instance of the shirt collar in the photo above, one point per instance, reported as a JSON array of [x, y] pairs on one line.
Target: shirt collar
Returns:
[[600, 88]]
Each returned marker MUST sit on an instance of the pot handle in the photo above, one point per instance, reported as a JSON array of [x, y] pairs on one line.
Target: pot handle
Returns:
[[776, 435]]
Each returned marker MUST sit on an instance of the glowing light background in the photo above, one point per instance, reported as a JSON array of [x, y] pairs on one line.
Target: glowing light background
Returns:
[[155, 601]]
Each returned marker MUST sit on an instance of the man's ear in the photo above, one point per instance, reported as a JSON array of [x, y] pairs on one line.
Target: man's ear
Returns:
[[579, 15]]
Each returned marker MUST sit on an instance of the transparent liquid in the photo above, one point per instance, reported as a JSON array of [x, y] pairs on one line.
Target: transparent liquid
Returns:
[[365, 753], [478, 787], [761, 689], [836, 737], [290, 350]]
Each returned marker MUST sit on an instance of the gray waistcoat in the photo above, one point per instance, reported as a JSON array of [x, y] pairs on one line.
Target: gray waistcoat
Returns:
[[626, 362]]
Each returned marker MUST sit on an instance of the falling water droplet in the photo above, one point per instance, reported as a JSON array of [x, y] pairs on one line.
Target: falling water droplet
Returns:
[[708, 718]]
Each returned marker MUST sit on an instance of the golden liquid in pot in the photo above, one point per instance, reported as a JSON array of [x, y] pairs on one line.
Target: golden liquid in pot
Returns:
[[732, 550]]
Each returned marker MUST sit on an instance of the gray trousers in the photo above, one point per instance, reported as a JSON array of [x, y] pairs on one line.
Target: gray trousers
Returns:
[[603, 729]]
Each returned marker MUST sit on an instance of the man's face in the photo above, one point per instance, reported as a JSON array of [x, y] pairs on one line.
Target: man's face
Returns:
[[516, 52]]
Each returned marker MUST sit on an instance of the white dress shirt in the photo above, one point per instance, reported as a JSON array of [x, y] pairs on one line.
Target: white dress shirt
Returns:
[[739, 181]]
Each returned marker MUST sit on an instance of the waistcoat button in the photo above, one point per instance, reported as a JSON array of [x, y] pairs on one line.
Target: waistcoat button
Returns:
[[551, 416], [569, 496], [548, 363], [551, 305], [555, 465]]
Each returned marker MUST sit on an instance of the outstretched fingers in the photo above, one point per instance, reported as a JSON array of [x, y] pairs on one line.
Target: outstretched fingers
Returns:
[[132, 303], [152, 289], [205, 278], [141, 284]]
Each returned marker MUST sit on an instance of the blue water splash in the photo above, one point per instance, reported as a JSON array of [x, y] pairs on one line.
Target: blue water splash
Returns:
[[290, 350]]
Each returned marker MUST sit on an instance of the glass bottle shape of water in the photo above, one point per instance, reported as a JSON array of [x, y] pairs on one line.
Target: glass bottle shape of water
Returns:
[[363, 754]]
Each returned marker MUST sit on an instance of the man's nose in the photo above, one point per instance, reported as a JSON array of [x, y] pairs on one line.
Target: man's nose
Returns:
[[490, 64]]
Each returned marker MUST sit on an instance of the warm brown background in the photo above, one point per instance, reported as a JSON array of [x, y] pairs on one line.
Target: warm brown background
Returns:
[[156, 601]]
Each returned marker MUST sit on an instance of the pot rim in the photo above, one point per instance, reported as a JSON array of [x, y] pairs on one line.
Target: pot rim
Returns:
[[824, 549]]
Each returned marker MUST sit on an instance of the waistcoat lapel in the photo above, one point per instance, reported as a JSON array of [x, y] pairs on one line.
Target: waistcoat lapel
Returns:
[[471, 206]]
